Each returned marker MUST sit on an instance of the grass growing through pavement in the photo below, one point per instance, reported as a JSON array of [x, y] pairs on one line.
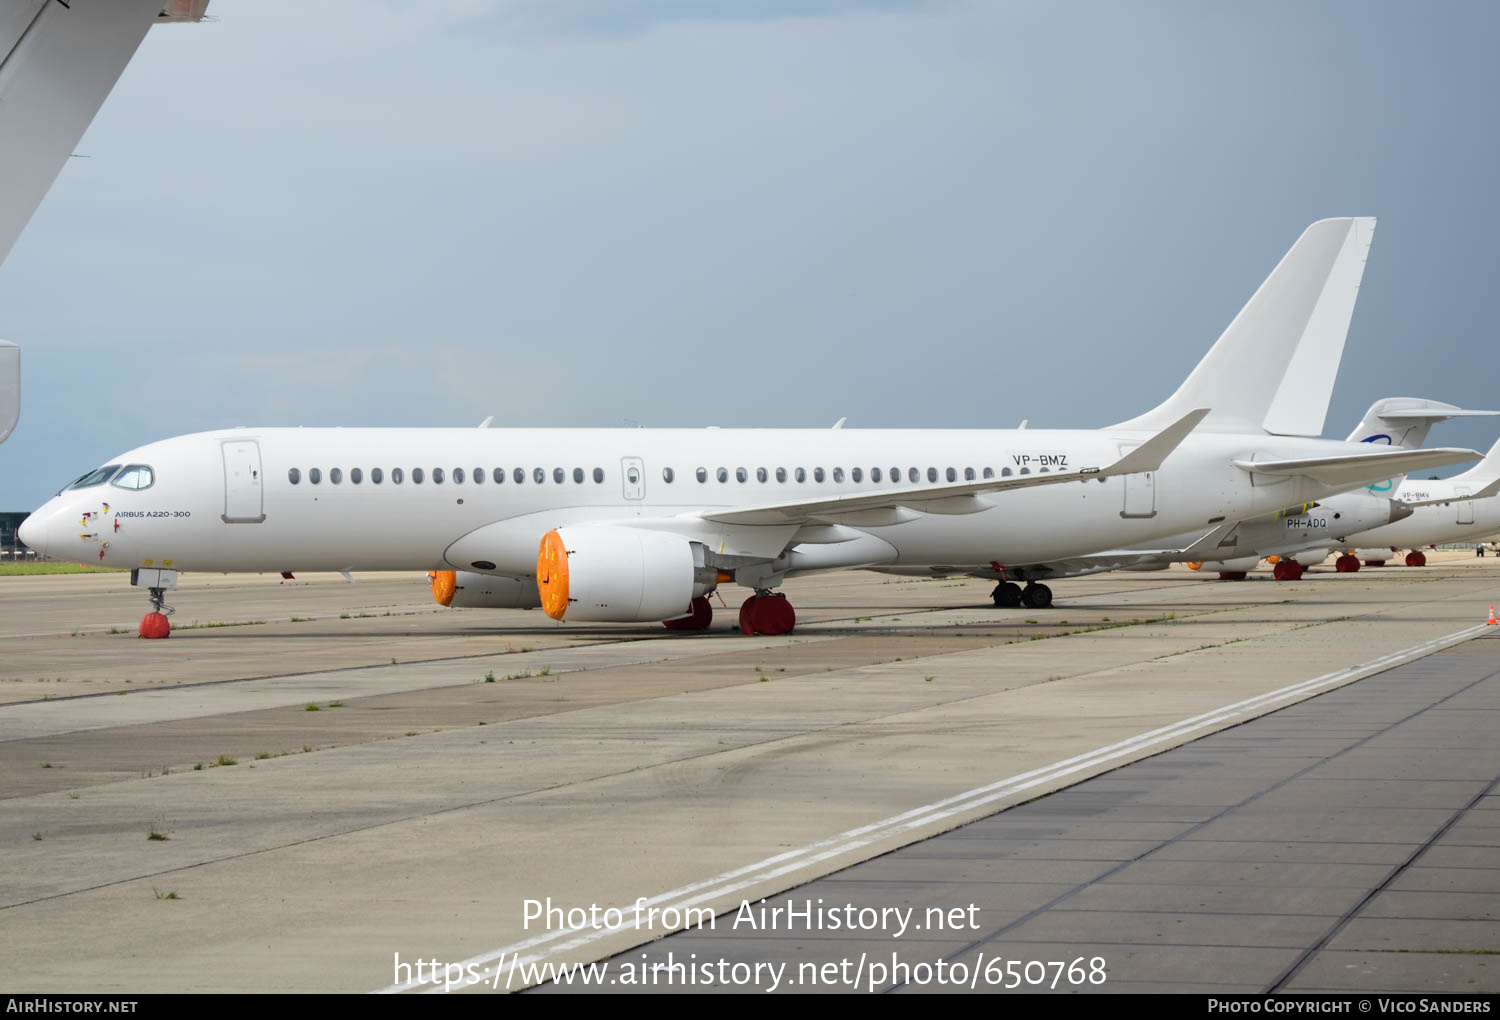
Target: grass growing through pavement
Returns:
[[31, 569]]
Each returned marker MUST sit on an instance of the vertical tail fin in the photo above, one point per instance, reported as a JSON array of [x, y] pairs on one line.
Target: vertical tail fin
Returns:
[[1273, 369]]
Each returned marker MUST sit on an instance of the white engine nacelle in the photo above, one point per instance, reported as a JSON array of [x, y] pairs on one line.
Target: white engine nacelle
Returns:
[[1308, 557], [463, 589], [1244, 563], [604, 573]]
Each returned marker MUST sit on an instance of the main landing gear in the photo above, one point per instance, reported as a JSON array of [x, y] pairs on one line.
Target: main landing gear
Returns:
[[1416, 559], [1347, 564], [155, 624], [700, 615], [767, 612], [1009, 595]]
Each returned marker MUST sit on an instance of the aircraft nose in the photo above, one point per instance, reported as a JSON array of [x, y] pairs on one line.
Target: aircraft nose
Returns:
[[30, 534]]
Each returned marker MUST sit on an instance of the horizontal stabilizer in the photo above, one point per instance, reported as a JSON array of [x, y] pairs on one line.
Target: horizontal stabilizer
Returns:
[[1351, 470], [959, 498], [1429, 415]]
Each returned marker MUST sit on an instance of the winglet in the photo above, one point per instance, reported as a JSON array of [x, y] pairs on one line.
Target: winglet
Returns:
[[1150, 454]]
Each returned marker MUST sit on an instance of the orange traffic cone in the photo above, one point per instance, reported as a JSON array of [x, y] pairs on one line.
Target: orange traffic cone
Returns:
[[1491, 622]]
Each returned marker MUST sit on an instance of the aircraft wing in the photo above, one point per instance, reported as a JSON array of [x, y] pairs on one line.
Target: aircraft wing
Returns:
[[1356, 469], [886, 506], [1490, 490]]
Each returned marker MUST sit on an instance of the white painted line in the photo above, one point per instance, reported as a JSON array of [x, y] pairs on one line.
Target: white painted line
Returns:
[[701, 894]]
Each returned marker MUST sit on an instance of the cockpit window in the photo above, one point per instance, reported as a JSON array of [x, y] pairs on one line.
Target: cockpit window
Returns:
[[135, 476], [97, 477]]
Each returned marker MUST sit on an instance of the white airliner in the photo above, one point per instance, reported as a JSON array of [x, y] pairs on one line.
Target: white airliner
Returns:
[[639, 525]]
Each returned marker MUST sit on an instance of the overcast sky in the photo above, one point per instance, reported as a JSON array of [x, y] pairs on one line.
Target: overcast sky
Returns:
[[752, 213]]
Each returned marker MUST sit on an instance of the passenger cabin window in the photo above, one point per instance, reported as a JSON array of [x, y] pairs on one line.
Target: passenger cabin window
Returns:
[[838, 474], [740, 475], [760, 474], [817, 474], [874, 474], [667, 474], [96, 477], [135, 477], [578, 476], [538, 475], [702, 474], [458, 476], [932, 474], [968, 474], [558, 475], [397, 476], [377, 476], [416, 476], [335, 475], [437, 476], [599, 476], [801, 475], [314, 475], [356, 475], [722, 474], [294, 476], [912, 474], [951, 475], [781, 474], [478, 476], [1005, 472], [498, 475], [518, 475], [857, 475], [989, 472]]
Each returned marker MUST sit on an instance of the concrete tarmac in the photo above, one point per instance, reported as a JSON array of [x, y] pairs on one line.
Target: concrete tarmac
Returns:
[[1346, 844], [501, 758]]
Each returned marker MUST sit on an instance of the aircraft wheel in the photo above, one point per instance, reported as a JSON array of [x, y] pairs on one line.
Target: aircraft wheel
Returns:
[[1037, 596], [1346, 564], [700, 616], [768, 614], [1007, 595], [1232, 575], [155, 625], [1416, 559], [1287, 570]]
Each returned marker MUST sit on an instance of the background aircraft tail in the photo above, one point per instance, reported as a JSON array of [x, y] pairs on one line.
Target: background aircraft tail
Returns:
[[1273, 369], [1405, 421]]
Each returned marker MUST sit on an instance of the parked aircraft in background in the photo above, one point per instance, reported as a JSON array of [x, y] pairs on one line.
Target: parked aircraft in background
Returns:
[[1457, 509], [1299, 538]]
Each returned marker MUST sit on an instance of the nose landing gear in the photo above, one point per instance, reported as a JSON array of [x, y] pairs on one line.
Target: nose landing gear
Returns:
[[156, 581], [155, 624]]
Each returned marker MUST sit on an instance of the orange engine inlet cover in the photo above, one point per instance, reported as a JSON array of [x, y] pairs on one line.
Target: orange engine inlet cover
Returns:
[[552, 575], [444, 584]]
